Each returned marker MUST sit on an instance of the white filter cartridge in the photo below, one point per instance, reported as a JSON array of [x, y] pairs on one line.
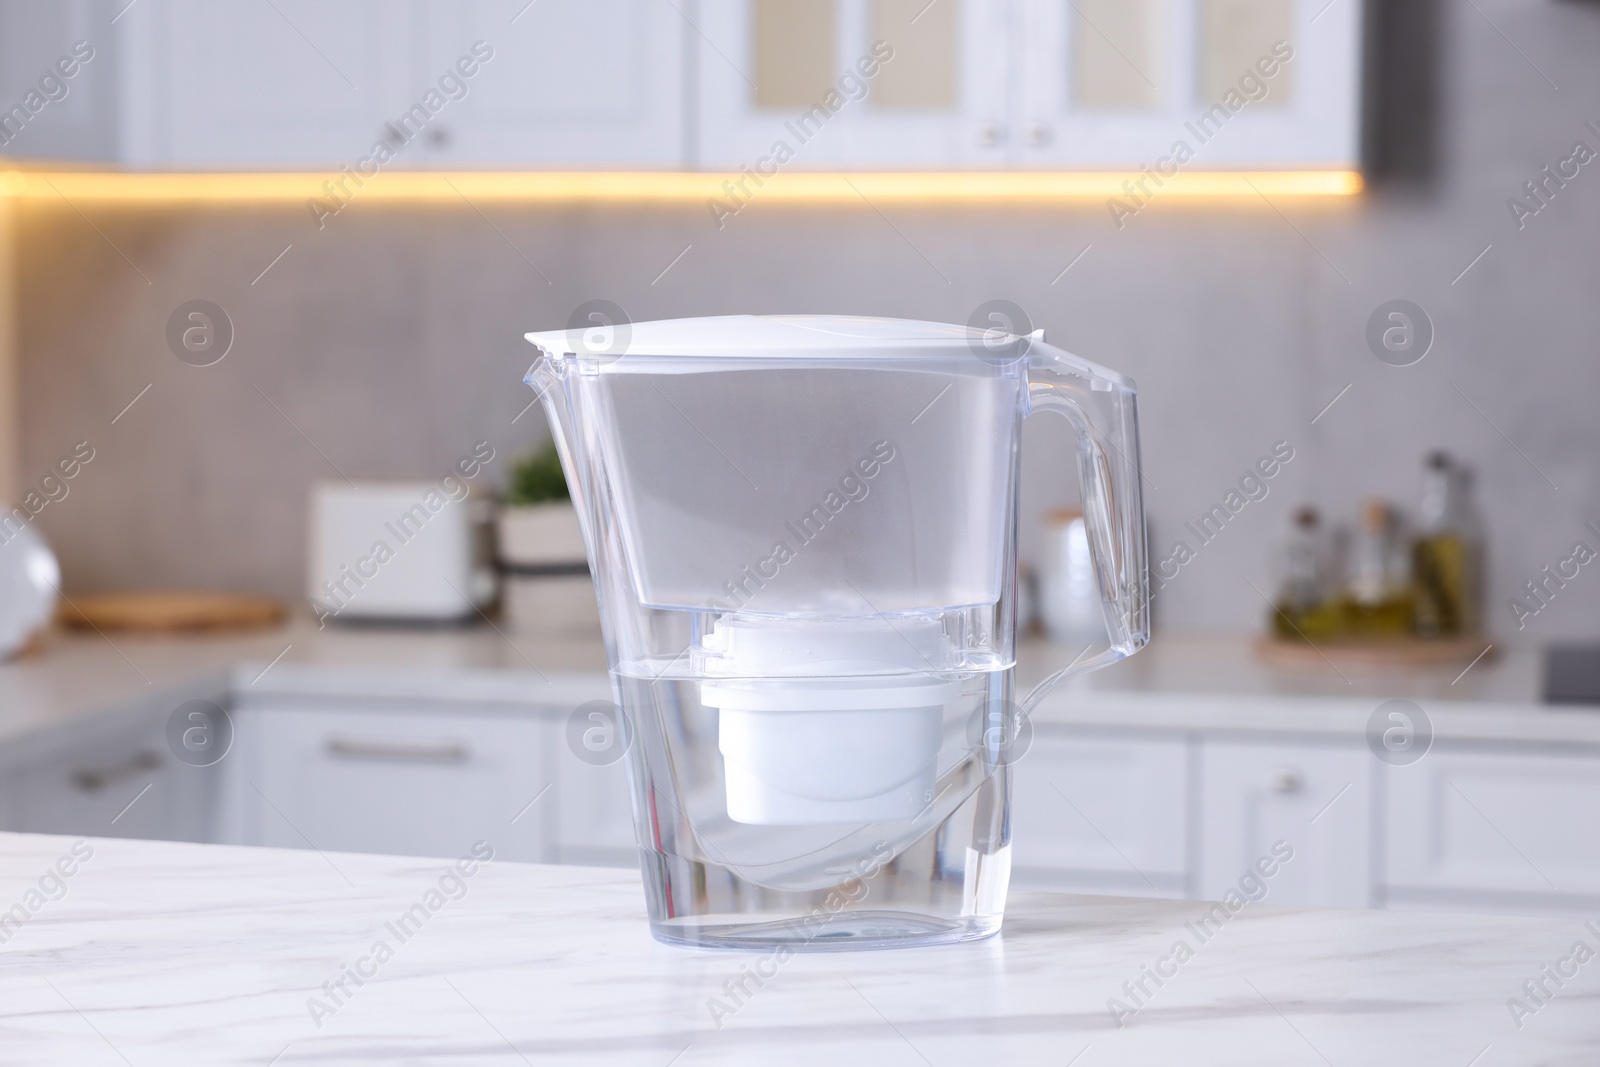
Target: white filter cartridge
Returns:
[[833, 748]]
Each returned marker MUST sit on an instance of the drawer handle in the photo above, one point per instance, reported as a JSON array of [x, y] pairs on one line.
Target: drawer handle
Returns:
[[1285, 780], [94, 780], [397, 751]]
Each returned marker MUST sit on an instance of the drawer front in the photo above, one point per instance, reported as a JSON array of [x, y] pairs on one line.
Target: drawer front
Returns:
[[395, 781], [122, 784], [1096, 813], [1495, 822], [1316, 800]]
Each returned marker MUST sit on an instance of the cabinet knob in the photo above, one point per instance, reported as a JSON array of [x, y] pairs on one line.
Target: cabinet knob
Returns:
[[1038, 133], [1285, 780], [991, 132]]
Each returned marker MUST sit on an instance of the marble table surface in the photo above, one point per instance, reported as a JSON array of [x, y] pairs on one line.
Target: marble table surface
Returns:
[[133, 952]]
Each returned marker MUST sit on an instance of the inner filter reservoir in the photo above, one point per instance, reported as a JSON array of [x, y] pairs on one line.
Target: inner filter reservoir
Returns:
[[830, 721]]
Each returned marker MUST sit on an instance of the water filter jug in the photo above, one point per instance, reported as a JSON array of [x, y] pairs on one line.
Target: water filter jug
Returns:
[[802, 531]]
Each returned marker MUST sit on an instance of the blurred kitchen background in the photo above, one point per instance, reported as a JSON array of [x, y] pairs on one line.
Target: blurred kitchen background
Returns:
[[376, 333], [392, 337]]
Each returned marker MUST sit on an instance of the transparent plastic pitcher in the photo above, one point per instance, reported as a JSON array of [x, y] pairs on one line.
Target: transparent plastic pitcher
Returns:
[[803, 537]]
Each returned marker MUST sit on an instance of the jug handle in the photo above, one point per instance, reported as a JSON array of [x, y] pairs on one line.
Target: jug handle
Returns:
[[1101, 406]]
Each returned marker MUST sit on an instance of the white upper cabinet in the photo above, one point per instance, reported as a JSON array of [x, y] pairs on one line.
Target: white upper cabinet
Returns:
[[727, 86], [289, 83], [1171, 84], [838, 84], [569, 83], [58, 80]]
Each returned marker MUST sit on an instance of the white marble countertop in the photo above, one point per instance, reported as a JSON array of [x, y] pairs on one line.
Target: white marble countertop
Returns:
[[1176, 684], [161, 953]]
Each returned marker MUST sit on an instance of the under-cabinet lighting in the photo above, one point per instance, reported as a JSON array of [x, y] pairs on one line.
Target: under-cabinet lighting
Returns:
[[76, 186]]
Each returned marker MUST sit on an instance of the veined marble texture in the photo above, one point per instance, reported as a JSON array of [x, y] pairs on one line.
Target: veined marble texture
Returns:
[[162, 953]]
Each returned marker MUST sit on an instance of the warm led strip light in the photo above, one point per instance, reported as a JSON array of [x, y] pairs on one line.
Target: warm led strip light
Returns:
[[662, 186]]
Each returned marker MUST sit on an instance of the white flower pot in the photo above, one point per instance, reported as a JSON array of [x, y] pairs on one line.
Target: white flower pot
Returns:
[[540, 535], [546, 590]]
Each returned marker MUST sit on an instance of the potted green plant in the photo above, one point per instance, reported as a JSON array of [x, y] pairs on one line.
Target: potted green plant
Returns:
[[538, 525], [546, 586]]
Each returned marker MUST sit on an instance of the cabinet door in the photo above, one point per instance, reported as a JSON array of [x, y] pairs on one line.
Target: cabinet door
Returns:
[[1098, 814], [45, 111], [1124, 82], [1317, 800], [1494, 823], [886, 84], [393, 780], [595, 814], [283, 84], [118, 783], [569, 83]]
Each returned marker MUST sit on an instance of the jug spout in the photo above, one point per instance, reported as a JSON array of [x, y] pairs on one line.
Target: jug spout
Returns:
[[546, 378]]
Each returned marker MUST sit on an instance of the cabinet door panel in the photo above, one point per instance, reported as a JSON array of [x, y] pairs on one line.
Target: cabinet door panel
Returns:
[[397, 781], [44, 115], [1099, 813], [571, 83], [1495, 822], [1124, 82], [290, 83], [596, 814], [1317, 800], [122, 783], [790, 73]]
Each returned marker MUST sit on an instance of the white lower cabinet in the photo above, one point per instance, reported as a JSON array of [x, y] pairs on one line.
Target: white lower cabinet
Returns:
[[1100, 814], [121, 782], [408, 781], [594, 820], [1315, 799], [1481, 826], [1096, 810]]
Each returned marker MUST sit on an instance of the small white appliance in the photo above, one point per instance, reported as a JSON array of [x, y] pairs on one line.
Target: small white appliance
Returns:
[[402, 551]]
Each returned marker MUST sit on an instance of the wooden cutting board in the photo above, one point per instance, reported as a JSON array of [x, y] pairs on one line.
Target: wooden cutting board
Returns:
[[158, 611], [1397, 654]]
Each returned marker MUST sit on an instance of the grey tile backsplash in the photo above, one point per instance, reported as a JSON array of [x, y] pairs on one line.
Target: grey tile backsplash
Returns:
[[389, 342]]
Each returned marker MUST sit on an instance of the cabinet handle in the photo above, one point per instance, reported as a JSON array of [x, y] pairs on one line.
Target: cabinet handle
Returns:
[[1038, 133], [93, 780], [397, 751], [1285, 780], [991, 133]]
